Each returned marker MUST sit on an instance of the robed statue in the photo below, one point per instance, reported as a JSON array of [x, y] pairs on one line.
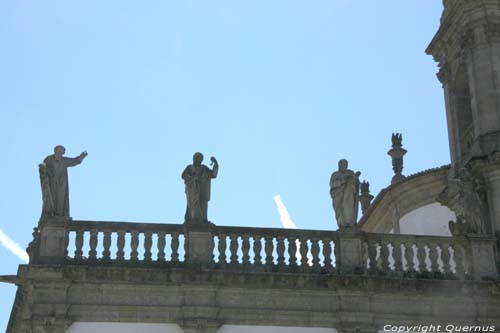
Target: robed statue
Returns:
[[344, 190], [197, 178], [54, 182]]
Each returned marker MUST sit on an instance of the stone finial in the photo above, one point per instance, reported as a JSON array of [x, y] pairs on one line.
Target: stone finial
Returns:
[[397, 140], [365, 197], [397, 152]]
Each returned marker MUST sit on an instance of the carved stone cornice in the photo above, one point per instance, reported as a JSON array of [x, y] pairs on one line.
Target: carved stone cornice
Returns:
[[467, 40], [44, 277], [444, 73]]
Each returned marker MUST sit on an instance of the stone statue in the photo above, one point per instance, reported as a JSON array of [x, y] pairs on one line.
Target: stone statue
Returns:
[[465, 195], [54, 182], [197, 178], [344, 190]]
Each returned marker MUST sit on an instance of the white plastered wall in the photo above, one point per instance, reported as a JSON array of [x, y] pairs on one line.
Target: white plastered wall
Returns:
[[431, 219]]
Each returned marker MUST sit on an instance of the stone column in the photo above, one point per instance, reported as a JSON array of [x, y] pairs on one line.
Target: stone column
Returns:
[[483, 68], [492, 177], [444, 76], [53, 240]]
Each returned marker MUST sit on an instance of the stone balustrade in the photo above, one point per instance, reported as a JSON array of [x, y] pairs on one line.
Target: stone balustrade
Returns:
[[121, 242], [262, 249], [417, 255], [275, 249]]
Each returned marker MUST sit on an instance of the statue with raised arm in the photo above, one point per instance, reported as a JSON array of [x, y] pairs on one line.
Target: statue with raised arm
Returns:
[[197, 178], [54, 182], [344, 190]]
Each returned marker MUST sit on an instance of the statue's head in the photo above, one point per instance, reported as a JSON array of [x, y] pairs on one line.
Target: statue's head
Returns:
[[343, 164], [197, 158], [59, 150]]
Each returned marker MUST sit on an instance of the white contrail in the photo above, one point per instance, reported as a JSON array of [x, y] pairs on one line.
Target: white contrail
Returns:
[[285, 218], [287, 223], [13, 247]]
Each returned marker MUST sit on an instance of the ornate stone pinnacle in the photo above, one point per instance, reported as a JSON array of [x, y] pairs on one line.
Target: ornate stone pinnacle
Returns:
[[397, 139], [365, 198], [397, 153]]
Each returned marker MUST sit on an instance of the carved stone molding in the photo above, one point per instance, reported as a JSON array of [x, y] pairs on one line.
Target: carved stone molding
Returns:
[[444, 73], [492, 32]]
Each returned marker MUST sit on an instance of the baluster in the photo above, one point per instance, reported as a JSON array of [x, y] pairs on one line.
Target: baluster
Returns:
[[222, 249], [459, 260], [372, 254], [410, 264], [327, 253], [468, 260], [175, 247], [148, 242], [93, 245], [245, 249], [433, 257], [315, 252], [66, 243], [280, 249], [106, 253], [257, 249], [292, 251], [79, 244], [160, 245], [269, 250], [445, 257], [134, 243], [397, 255], [336, 251], [303, 253], [365, 258], [233, 248], [384, 256], [422, 265], [120, 244]]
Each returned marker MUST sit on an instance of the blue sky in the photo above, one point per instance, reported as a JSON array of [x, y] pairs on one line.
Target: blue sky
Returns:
[[278, 91]]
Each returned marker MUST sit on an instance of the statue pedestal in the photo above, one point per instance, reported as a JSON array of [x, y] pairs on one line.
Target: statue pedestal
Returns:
[[483, 257], [350, 252], [53, 240], [199, 242]]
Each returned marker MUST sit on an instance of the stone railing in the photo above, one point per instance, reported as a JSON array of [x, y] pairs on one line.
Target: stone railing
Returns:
[[275, 249], [417, 255], [69, 242], [120, 242]]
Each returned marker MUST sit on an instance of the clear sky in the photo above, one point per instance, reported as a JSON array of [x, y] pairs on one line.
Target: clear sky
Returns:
[[278, 91]]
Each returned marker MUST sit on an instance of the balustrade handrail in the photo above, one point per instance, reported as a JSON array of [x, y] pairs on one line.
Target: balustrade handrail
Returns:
[[82, 225], [275, 232], [424, 238]]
